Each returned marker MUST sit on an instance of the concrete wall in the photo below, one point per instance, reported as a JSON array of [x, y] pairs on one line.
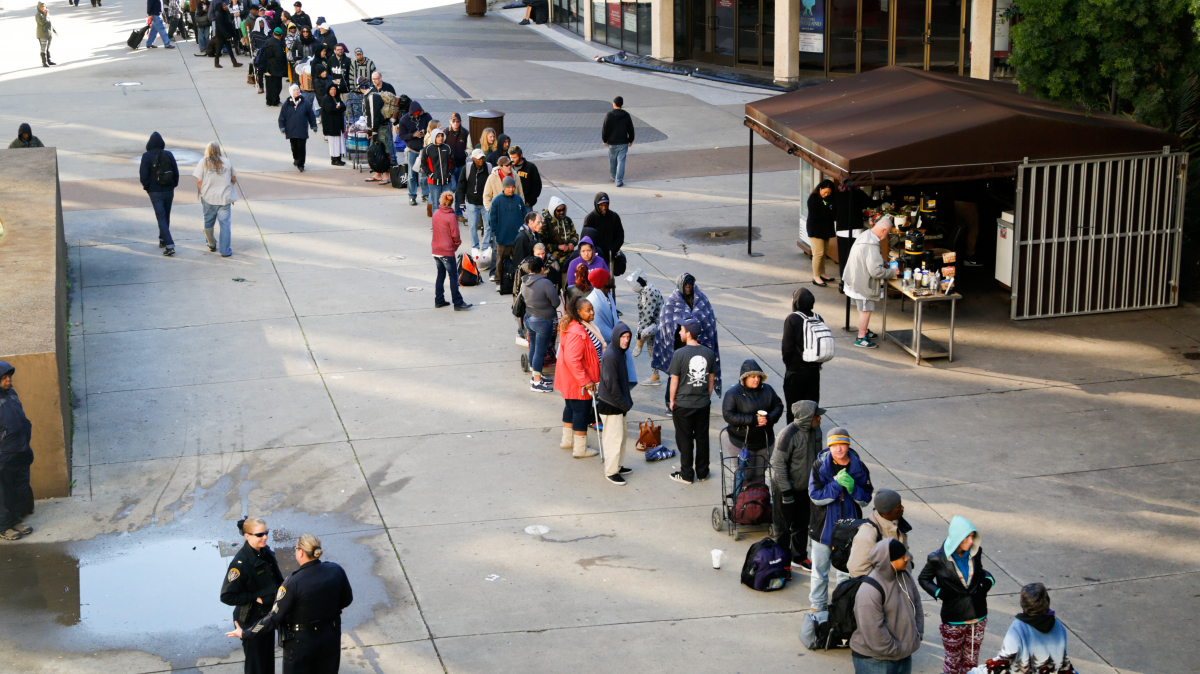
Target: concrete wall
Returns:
[[982, 29], [33, 293]]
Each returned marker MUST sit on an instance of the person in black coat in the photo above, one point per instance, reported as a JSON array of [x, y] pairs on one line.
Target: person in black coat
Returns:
[[821, 228], [527, 172], [333, 122], [610, 233], [161, 195], [274, 63], [224, 34], [296, 117], [251, 583], [339, 69], [617, 135], [954, 575], [747, 429], [16, 496], [308, 607], [801, 379]]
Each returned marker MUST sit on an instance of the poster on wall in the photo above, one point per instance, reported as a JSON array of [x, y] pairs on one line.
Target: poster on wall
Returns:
[[1002, 26], [630, 17], [614, 14], [598, 12], [812, 26]]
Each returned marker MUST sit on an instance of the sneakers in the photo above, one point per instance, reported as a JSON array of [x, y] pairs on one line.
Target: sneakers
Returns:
[[521, 341], [425, 198], [11, 535], [616, 479], [523, 22], [412, 201], [652, 381], [702, 479], [864, 343], [542, 386], [637, 350], [624, 471], [169, 251], [872, 335], [678, 477], [462, 219]]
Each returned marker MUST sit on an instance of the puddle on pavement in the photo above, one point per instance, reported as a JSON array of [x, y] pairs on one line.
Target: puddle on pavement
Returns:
[[158, 589]]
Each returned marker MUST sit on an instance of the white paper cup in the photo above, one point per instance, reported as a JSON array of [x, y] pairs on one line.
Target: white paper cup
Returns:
[[716, 555]]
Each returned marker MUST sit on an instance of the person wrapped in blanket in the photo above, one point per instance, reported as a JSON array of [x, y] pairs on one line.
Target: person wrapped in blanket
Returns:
[[650, 304]]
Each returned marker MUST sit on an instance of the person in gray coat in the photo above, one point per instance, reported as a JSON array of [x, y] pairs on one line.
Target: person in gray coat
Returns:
[[887, 609], [796, 447], [864, 276]]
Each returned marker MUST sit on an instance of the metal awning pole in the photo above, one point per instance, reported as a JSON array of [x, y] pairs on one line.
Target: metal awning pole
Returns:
[[750, 202]]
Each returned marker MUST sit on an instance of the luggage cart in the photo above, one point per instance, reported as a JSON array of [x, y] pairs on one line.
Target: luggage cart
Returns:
[[357, 143], [722, 515]]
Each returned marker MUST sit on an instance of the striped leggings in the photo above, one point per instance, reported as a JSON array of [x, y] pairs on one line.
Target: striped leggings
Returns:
[[45, 43]]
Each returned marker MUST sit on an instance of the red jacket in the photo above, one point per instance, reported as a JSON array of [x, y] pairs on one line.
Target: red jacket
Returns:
[[577, 365], [445, 232]]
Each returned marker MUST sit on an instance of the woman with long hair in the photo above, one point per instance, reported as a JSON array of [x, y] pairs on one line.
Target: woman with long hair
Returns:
[[215, 180], [333, 122], [577, 373], [487, 141], [820, 228]]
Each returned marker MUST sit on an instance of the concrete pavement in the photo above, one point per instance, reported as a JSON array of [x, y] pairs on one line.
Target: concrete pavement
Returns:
[[310, 380]]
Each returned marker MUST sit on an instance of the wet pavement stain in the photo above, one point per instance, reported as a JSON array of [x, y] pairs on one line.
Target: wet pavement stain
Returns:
[[157, 589]]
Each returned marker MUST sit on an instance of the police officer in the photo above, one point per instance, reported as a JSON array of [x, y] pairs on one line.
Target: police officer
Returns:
[[251, 583], [308, 609]]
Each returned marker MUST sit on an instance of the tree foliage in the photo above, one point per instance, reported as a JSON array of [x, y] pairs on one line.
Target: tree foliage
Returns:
[[1075, 52]]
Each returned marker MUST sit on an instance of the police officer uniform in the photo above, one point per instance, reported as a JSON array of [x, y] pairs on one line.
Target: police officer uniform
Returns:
[[252, 575], [308, 609]]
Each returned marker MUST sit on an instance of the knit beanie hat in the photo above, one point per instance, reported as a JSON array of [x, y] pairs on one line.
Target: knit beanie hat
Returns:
[[896, 550], [836, 435], [886, 501], [598, 277], [509, 182]]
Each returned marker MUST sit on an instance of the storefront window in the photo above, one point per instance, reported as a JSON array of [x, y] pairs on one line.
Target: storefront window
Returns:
[[622, 25], [566, 13]]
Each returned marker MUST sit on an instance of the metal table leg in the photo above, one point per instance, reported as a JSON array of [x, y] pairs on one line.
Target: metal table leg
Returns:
[[952, 303], [919, 314], [883, 332]]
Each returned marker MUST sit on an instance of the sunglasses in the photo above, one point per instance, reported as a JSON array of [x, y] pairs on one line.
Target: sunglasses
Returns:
[[260, 535]]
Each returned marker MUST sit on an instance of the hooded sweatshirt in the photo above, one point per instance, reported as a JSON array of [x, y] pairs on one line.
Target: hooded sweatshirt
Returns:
[[615, 384], [1035, 644], [793, 331], [15, 429], [416, 120], [609, 231], [891, 623], [959, 581], [503, 142], [558, 231], [25, 138], [741, 405], [866, 269], [438, 160], [675, 311], [650, 302], [596, 263], [146, 171], [796, 447]]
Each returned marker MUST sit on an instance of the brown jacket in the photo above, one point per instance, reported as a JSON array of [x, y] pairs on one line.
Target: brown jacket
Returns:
[[495, 186], [866, 538]]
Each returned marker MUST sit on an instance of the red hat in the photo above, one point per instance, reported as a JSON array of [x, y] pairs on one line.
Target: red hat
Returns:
[[598, 277]]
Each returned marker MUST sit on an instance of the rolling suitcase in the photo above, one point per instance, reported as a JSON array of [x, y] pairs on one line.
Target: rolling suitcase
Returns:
[[136, 37]]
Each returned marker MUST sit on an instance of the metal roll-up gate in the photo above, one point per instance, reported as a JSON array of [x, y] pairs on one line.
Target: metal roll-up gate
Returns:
[[1098, 236]]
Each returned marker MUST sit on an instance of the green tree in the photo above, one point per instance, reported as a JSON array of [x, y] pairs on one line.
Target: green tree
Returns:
[[1079, 52]]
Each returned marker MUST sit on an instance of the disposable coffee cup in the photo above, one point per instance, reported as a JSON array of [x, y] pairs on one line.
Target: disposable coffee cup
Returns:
[[716, 555], [762, 413]]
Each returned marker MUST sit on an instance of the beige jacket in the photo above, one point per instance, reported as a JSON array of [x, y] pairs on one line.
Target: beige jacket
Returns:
[[495, 186], [859, 563]]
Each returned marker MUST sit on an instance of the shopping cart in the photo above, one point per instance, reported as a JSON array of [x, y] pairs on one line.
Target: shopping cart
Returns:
[[357, 142], [736, 475]]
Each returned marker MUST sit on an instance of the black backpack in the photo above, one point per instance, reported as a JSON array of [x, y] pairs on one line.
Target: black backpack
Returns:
[[842, 622], [842, 539], [378, 158], [163, 170], [508, 273]]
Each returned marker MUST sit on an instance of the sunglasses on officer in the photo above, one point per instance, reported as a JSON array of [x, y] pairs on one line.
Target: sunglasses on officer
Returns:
[[259, 535]]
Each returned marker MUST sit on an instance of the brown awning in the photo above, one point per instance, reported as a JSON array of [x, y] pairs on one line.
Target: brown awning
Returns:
[[896, 126]]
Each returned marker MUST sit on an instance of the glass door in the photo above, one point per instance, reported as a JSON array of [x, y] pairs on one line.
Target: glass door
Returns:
[[874, 29], [756, 33], [724, 26], [946, 23], [858, 35], [843, 36], [910, 33]]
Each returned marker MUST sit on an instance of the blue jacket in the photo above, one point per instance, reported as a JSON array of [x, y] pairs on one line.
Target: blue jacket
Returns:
[[153, 147], [296, 120], [830, 500], [505, 217], [15, 429]]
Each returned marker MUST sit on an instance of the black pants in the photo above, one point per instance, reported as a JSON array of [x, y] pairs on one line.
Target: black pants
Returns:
[[314, 651], [691, 431], [273, 86], [844, 244], [803, 384], [791, 522], [260, 652], [16, 497], [298, 149]]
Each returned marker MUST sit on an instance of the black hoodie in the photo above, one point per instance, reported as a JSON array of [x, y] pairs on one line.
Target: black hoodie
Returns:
[[25, 138], [146, 171], [609, 231], [416, 120], [613, 392], [793, 331], [503, 142]]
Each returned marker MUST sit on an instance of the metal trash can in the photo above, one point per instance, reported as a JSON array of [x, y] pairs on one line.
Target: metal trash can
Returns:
[[476, 7], [482, 119]]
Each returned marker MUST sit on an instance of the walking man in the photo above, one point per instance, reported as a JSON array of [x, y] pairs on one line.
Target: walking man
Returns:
[[296, 117], [617, 135], [692, 377], [154, 13], [160, 176], [16, 497]]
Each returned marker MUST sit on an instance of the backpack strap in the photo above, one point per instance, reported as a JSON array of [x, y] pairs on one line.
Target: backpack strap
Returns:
[[875, 584]]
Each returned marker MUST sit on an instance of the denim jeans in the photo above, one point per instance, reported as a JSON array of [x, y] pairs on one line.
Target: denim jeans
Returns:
[[157, 28], [616, 162], [220, 214], [818, 591], [453, 187], [435, 194], [877, 666], [446, 266], [414, 178], [477, 216], [538, 331], [202, 38], [161, 201]]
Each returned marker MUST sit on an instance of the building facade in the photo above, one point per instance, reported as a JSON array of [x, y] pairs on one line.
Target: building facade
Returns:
[[792, 39]]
